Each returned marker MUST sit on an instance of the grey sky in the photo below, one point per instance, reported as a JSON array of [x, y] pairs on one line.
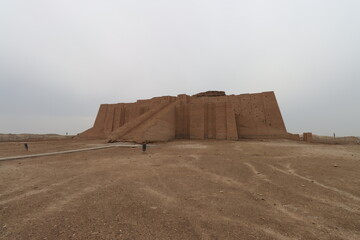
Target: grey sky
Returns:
[[59, 60]]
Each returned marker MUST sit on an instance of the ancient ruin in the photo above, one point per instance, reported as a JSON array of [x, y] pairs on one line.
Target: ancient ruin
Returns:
[[207, 115], [307, 137]]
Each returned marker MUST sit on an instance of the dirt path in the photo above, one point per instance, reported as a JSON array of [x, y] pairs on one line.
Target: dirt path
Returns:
[[69, 151], [183, 190]]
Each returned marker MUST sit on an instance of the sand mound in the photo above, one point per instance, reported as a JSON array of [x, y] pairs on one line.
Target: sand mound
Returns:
[[30, 137]]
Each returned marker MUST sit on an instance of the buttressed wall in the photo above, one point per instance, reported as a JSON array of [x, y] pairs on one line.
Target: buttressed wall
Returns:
[[208, 115]]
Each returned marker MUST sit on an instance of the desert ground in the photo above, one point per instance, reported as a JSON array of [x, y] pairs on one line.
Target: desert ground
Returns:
[[273, 189]]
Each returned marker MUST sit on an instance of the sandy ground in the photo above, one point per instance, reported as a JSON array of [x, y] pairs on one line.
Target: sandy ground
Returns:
[[182, 190]]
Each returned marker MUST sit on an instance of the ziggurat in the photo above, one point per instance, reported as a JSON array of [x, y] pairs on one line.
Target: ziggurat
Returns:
[[207, 115]]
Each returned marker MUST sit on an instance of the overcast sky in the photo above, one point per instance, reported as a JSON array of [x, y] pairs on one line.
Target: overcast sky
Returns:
[[59, 60]]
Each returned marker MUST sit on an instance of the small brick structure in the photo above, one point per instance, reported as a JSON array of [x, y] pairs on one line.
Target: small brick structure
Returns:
[[307, 137]]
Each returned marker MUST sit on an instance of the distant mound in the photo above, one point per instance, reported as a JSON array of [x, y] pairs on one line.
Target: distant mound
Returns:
[[30, 137]]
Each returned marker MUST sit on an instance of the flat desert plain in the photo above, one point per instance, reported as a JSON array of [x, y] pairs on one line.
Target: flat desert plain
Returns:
[[274, 189]]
